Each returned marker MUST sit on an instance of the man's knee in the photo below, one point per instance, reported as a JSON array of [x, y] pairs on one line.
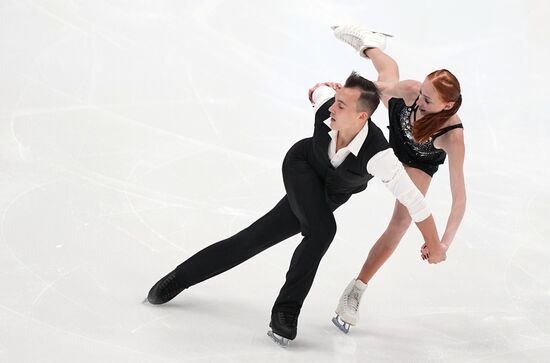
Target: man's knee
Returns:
[[324, 230]]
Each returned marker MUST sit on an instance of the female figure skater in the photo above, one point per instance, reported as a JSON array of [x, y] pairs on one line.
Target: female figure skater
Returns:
[[424, 129]]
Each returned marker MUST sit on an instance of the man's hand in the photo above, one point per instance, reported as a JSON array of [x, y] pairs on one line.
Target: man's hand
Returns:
[[335, 86], [439, 255]]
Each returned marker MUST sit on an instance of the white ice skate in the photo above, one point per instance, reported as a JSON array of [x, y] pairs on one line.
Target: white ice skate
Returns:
[[347, 311], [360, 38]]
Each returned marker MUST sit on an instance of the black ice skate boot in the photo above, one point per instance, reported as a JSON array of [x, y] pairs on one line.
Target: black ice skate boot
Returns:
[[284, 325], [165, 289]]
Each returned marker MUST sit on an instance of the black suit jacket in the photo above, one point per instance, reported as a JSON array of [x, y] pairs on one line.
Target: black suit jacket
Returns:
[[351, 176]]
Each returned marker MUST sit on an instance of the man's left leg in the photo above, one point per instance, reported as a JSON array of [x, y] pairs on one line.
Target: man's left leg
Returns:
[[306, 194]]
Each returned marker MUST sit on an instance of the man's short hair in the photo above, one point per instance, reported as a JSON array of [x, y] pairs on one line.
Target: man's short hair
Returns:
[[369, 99]]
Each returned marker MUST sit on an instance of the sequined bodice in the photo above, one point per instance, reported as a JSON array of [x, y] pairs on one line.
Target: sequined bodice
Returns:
[[426, 150]]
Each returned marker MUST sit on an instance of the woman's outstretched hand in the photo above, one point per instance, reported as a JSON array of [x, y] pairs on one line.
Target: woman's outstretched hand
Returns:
[[334, 85], [437, 256]]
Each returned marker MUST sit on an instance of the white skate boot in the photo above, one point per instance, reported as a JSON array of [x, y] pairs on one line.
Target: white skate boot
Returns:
[[360, 38], [347, 311]]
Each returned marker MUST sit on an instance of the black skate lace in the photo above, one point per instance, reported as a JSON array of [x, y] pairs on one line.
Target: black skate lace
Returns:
[[169, 287], [289, 318]]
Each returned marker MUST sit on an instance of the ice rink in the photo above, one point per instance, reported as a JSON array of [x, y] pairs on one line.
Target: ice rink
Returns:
[[135, 133]]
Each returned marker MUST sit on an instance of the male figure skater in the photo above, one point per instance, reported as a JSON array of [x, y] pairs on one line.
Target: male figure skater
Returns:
[[320, 173]]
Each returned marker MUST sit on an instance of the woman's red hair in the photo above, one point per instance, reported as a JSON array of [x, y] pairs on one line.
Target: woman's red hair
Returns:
[[448, 89]]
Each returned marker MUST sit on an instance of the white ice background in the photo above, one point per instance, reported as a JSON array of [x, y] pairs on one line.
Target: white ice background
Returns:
[[135, 133]]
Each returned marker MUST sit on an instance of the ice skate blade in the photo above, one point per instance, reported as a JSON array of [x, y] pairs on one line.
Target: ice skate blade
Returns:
[[385, 34], [334, 27], [343, 326], [145, 301], [283, 342]]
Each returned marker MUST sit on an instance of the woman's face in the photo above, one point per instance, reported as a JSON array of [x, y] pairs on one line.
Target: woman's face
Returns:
[[429, 101]]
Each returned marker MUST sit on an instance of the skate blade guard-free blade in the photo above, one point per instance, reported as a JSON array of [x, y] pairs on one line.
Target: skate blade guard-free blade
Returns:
[[340, 324], [385, 34], [334, 27], [282, 341]]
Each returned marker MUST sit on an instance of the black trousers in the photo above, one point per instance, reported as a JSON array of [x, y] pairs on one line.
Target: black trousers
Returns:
[[305, 208]]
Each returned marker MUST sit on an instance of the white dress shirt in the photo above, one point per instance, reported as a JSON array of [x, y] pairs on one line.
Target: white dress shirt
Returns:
[[338, 157], [384, 165]]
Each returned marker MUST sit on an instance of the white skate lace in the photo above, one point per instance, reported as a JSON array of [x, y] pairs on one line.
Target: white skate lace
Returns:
[[352, 40], [355, 32], [353, 300]]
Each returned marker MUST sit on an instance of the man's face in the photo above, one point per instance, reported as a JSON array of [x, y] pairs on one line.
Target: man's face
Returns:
[[343, 113]]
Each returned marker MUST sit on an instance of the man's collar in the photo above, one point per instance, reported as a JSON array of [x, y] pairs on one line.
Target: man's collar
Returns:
[[355, 145]]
